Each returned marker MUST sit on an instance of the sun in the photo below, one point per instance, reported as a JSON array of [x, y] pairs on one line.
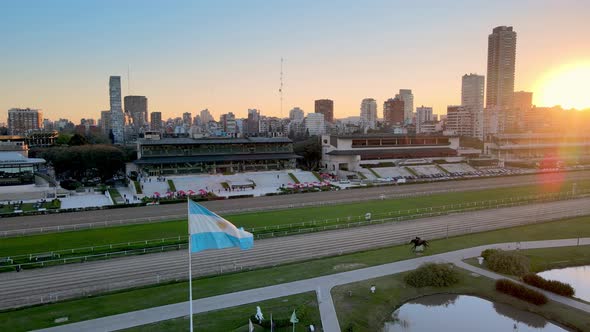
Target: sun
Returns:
[[568, 86]]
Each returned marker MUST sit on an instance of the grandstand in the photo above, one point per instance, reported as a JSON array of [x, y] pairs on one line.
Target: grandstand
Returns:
[[174, 156], [393, 172], [459, 169], [428, 171], [265, 182], [352, 152]]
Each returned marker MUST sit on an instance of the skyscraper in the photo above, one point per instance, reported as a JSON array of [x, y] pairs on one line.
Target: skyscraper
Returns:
[[187, 119], [105, 122], [369, 112], [156, 121], [253, 122], [325, 107], [137, 109], [394, 111], [23, 120], [423, 114], [408, 98], [206, 116], [501, 64], [296, 114], [315, 124], [472, 90], [117, 116]]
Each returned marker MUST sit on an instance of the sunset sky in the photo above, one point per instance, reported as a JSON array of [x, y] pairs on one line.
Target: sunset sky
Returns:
[[225, 55]]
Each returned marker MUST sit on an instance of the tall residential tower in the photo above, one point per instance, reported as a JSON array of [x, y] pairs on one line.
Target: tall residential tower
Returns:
[[117, 116], [501, 65]]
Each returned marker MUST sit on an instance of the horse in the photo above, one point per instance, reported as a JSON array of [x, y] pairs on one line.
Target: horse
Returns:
[[418, 242]]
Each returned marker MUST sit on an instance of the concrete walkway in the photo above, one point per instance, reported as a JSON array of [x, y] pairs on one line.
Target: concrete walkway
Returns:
[[321, 285]]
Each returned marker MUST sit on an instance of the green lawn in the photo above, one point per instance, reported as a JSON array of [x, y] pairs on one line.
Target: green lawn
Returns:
[[256, 220], [87, 238], [104, 305], [363, 311], [138, 189], [171, 185], [294, 178], [236, 318], [26, 207]]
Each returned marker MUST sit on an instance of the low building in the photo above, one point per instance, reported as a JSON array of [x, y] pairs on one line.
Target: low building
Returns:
[[168, 156], [541, 148], [348, 153], [16, 169]]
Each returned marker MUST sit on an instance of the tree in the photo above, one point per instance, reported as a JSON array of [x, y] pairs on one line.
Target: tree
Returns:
[[78, 161], [77, 139], [311, 151], [63, 139]]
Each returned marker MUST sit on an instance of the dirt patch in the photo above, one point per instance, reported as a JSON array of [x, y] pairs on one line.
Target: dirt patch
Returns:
[[346, 267]]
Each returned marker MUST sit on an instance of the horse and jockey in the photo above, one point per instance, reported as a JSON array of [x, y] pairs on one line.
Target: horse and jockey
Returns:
[[418, 244]]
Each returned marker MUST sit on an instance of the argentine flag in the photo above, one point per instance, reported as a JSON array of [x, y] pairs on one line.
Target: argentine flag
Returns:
[[209, 231]]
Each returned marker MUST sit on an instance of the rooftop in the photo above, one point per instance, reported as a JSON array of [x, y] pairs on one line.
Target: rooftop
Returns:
[[232, 157], [191, 141], [17, 158]]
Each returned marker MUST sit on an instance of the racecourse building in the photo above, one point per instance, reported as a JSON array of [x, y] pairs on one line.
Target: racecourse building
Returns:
[[349, 152], [169, 156], [542, 148], [16, 169]]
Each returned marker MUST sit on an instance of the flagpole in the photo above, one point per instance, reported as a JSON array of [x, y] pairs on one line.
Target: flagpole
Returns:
[[190, 275]]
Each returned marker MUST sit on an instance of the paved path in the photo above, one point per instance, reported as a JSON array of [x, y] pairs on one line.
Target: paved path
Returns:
[[323, 284], [73, 280], [171, 211]]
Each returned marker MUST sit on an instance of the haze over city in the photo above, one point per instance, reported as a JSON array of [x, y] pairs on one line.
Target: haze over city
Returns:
[[225, 56], [260, 166]]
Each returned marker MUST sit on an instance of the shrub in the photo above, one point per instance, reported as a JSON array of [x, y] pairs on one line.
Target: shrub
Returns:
[[432, 274], [508, 263], [488, 252], [519, 291], [552, 286]]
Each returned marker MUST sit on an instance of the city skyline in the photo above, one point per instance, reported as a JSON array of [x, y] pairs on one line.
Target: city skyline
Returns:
[[324, 59]]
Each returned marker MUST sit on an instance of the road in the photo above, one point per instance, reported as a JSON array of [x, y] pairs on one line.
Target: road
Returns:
[[321, 286], [72, 280], [171, 211]]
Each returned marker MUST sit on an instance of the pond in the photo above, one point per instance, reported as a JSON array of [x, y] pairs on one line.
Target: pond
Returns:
[[444, 312], [578, 277]]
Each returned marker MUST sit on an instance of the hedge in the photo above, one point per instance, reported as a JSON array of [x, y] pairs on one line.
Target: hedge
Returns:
[[519, 291], [552, 286], [508, 262], [432, 274]]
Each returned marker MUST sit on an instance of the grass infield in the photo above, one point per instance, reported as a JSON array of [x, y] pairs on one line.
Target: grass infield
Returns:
[[115, 303], [131, 233]]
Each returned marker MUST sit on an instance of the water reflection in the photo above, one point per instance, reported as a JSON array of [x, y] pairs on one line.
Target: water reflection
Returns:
[[578, 277], [464, 313]]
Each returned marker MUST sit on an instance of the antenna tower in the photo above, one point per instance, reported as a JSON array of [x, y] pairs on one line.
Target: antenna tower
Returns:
[[281, 87]]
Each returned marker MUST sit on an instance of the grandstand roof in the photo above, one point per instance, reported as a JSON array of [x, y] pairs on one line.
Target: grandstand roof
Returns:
[[368, 136], [191, 141], [421, 152], [15, 158], [232, 157]]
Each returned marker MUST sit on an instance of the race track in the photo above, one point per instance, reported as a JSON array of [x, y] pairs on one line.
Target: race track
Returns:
[[65, 281], [161, 212]]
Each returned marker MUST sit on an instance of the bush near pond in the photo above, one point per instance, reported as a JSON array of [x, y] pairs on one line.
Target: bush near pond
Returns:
[[432, 274], [553, 286], [519, 291], [508, 262]]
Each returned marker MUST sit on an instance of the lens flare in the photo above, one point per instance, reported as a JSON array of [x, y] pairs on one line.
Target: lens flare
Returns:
[[566, 86]]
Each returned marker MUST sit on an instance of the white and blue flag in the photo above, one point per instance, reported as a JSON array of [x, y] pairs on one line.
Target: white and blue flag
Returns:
[[210, 231]]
